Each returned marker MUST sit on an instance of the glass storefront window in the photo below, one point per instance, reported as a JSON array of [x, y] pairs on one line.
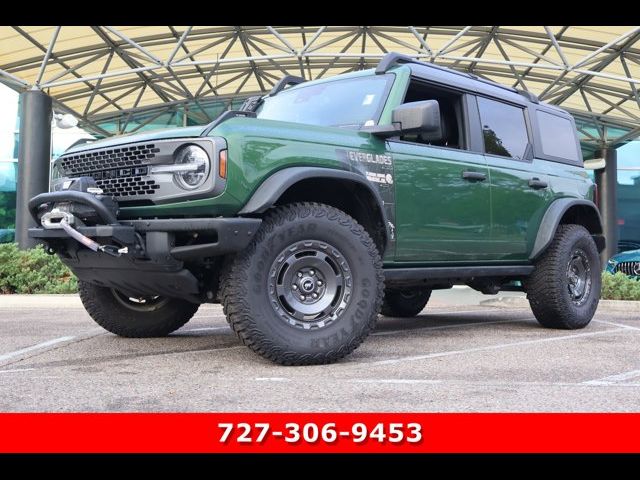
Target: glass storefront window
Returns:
[[8, 176], [629, 196]]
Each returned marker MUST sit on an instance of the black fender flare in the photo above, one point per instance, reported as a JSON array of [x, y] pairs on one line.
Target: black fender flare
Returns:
[[551, 220], [274, 186]]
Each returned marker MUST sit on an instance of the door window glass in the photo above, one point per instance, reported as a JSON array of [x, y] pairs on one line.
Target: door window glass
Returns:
[[503, 128]]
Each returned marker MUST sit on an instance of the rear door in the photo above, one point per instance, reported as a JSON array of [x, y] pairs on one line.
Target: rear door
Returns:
[[520, 186]]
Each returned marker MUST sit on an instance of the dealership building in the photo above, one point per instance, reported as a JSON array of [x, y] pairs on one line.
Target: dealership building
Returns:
[[117, 80]]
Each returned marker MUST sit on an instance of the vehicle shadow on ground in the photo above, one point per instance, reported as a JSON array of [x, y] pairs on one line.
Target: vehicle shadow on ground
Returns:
[[220, 338], [443, 321]]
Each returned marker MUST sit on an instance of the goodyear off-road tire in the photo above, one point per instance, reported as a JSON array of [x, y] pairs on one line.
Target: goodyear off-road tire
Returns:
[[564, 289], [308, 288], [405, 302], [138, 318]]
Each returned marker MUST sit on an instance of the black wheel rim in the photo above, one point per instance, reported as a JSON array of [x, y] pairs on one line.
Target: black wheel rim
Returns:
[[139, 304], [579, 277], [310, 284]]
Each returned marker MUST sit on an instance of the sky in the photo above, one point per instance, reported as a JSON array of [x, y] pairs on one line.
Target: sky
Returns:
[[9, 109], [629, 156], [62, 138]]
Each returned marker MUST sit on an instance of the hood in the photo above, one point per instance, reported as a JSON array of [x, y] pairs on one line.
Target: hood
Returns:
[[276, 130], [630, 256], [140, 137]]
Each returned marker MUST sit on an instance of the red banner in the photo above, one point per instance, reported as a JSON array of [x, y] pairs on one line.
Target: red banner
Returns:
[[318, 432]]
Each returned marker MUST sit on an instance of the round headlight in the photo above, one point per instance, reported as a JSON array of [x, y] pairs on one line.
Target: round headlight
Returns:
[[196, 167]]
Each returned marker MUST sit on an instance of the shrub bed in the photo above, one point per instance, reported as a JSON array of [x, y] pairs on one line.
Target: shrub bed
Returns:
[[33, 271]]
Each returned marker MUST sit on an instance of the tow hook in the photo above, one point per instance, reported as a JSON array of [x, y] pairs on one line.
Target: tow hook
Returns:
[[112, 250]]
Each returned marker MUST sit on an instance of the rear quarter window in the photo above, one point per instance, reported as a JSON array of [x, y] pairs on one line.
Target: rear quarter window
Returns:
[[557, 136]]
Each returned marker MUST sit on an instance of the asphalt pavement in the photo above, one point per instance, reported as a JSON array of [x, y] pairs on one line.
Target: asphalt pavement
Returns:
[[458, 355]]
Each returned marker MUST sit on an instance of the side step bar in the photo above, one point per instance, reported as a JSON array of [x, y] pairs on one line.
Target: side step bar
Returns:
[[437, 273]]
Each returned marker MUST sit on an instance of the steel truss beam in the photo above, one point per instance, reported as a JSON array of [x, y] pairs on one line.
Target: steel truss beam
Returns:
[[196, 64]]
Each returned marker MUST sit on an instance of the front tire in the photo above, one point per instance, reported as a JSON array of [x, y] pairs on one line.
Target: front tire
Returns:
[[564, 289], [140, 317], [308, 288], [405, 302]]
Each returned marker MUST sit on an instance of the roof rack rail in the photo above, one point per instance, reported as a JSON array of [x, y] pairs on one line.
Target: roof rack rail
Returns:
[[529, 96], [284, 81], [393, 58]]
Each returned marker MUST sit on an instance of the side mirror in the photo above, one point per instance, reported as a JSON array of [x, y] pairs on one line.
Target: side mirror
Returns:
[[418, 117], [415, 117]]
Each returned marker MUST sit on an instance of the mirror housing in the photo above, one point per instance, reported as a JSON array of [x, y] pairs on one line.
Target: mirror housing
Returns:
[[415, 117]]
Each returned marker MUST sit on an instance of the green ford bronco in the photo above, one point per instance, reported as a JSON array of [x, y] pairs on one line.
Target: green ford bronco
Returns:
[[323, 203]]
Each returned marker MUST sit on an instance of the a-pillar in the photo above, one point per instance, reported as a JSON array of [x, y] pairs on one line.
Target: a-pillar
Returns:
[[607, 182], [34, 157]]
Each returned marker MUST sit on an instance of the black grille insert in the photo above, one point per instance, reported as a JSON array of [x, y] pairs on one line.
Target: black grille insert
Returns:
[[75, 165], [128, 186]]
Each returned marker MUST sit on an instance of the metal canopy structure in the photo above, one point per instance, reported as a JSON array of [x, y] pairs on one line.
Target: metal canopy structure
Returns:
[[128, 77]]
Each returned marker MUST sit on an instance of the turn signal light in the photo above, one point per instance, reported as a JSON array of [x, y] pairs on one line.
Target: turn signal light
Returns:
[[222, 164]]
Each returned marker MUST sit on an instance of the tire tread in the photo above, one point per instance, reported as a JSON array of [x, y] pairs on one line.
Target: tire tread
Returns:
[[234, 278]]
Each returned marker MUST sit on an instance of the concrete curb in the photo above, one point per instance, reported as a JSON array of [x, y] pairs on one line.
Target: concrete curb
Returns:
[[520, 302]]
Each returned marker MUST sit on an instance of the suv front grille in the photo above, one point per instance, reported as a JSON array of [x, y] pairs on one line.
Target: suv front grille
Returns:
[[120, 171], [86, 163], [628, 268], [128, 186]]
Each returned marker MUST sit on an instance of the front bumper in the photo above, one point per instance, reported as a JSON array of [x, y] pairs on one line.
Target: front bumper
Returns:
[[232, 235], [163, 256]]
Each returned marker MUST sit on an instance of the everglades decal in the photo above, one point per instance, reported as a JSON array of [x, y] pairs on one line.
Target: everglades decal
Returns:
[[378, 169], [366, 157], [384, 178]]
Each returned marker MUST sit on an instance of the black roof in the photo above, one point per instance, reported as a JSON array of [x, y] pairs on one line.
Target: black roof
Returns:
[[462, 80]]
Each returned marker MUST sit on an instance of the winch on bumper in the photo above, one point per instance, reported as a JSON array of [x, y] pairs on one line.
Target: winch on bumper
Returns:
[[163, 257]]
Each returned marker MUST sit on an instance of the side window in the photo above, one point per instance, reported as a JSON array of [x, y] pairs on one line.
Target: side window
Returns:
[[450, 115], [503, 129], [557, 136]]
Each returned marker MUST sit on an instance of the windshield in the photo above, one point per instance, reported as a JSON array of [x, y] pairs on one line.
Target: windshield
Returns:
[[348, 103]]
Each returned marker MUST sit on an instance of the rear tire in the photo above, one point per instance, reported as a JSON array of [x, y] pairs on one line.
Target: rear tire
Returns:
[[564, 289], [405, 302], [143, 317], [308, 288]]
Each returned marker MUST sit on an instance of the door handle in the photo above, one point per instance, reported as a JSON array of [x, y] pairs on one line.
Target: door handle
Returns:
[[537, 184], [474, 176]]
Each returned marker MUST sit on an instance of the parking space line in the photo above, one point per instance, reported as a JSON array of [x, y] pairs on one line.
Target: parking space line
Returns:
[[614, 379], [427, 356], [206, 329], [407, 381], [621, 325], [17, 370], [48, 343], [448, 311], [272, 379], [445, 327]]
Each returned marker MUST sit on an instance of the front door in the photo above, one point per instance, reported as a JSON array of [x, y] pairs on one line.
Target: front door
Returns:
[[442, 204]]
